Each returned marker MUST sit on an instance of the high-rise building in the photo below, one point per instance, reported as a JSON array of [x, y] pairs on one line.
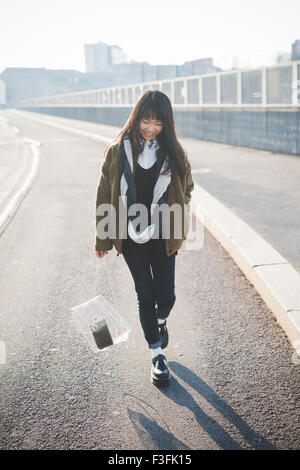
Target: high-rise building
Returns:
[[296, 50], [117, 55], [96, 57], [99, 57]]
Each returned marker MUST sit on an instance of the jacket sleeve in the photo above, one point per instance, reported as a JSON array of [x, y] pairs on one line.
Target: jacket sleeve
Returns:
[[189, 184], [103, 196]]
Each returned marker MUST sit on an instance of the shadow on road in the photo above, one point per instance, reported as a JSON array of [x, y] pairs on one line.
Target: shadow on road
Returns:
[[154, 432], [147, 422], [182, 397]]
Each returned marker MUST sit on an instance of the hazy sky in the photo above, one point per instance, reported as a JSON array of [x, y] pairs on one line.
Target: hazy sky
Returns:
[[52, 33]]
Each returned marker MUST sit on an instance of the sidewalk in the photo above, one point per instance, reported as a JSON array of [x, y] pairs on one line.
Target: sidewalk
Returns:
[[250, 201], [16, 164]]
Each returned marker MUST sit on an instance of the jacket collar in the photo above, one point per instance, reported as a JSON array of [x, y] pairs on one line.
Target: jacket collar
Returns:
[[162, 182]]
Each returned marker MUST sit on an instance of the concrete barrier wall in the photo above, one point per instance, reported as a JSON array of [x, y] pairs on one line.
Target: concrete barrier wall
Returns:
[[273, 130]]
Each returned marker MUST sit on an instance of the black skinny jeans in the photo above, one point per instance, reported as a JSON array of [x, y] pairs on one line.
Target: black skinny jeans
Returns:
[[154, 279]]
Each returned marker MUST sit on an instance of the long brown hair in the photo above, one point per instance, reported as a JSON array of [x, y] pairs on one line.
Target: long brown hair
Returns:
[[154, 104]]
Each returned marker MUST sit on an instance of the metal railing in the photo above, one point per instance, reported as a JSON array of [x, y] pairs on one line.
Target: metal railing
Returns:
[[274, 86]]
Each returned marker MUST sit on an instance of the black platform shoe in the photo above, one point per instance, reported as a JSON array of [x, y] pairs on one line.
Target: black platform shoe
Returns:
[[160, 373], [164, 335]]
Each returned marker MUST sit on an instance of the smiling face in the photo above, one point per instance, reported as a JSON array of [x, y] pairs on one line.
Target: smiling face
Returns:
[[150, 128]]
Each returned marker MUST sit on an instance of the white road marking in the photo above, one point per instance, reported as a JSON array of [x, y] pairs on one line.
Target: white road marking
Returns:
[[13, 205], [31, 141]]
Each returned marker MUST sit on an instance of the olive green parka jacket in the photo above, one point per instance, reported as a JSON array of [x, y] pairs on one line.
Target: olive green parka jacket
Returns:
[[108, 192]]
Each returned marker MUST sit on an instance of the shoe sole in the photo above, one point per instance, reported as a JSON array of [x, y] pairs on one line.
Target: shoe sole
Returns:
[[160, 382]]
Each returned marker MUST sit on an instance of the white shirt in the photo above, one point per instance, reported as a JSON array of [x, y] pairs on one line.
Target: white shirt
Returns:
[[147, 158]]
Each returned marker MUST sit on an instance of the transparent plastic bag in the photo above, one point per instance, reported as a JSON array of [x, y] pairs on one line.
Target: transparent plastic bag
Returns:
[[99, 322]]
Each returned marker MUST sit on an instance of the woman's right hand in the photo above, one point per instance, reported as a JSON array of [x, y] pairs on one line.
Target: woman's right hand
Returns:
[[100, 254]]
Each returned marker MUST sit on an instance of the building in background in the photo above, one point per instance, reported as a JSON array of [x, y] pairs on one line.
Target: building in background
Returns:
[[117, 55], [100, 57], [198, 67], [34, 82], [2, 94], [106, 66], [296, 50], [96, 57]]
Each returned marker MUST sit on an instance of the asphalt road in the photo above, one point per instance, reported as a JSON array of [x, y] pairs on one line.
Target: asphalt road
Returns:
[[234, 384]]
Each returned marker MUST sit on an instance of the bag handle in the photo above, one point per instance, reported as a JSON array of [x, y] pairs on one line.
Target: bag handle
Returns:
[[105, 271]]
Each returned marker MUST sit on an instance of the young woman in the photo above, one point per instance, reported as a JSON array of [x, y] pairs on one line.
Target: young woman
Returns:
[[147, 168]]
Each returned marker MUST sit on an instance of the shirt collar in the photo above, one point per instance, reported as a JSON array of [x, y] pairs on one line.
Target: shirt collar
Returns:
[[152, 144]]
